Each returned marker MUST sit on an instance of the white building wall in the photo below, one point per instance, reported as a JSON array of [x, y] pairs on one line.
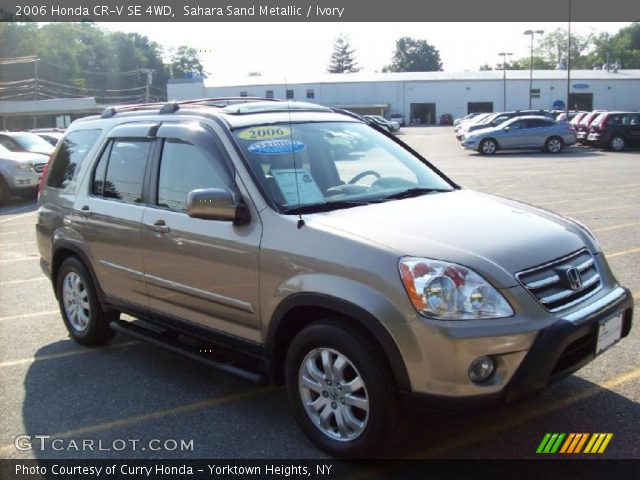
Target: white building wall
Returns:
[[450, 96]]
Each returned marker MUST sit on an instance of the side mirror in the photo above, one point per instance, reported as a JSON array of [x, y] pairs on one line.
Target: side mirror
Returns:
[[216, 204], [506, 129]]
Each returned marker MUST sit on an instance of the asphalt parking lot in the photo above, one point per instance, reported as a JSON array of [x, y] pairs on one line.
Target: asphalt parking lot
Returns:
[[51, 386]]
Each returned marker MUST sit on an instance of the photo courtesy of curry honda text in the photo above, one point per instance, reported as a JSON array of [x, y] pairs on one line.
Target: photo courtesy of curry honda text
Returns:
[[313, 250]]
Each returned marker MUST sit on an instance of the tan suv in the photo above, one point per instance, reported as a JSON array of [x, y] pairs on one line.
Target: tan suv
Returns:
[[304, 247]]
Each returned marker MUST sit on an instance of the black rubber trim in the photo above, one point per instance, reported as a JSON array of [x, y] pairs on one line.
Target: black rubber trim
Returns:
[[425, 401], [188, 351], [537, 368], [244, 348], [361, 316]]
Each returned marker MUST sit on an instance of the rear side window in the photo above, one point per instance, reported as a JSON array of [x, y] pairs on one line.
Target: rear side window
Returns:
[[185, 167], [69, 156], [124, 171]]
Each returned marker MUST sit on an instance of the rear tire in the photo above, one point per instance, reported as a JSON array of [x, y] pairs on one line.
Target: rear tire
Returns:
[[81, 311], [488, 146], [341, 390], [554, 145], [617, 143]]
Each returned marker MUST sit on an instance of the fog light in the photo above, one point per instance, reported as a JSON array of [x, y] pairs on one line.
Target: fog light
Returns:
[[481, 369]]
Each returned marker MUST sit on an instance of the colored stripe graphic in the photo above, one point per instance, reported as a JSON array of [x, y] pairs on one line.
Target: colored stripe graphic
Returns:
[[555, 443]]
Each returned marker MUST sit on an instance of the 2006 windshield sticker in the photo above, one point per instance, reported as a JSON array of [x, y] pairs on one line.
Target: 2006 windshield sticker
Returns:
[[264, 133], [274, 147]]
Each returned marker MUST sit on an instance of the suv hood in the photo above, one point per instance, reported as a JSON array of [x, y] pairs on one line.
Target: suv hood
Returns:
[[494, 236]]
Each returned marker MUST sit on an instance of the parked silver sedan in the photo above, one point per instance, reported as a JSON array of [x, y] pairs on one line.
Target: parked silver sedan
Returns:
[[522, 133]]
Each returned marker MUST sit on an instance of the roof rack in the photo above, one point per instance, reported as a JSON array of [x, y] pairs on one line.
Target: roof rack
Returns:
[[174, 106]]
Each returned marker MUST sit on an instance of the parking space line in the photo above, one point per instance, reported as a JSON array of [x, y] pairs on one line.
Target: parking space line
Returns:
[[18, 259], [616, 227], [14, 282], [29, 315], [17, 232], [623, 252], [548, 407], [158, 414], [573, 200], [71, 353], [599, 209], [16, 243], [16, 217]]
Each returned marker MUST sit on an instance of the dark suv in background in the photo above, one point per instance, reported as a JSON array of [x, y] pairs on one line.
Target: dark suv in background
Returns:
[[615, 130]]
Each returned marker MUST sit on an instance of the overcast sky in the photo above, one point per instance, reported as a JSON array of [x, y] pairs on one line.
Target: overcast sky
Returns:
[[232, 50]]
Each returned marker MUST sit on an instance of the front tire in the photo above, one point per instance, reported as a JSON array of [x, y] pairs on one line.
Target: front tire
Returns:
[[554, 145], [82, 313], [5, 193], [341, 390], [617, 143], [488, 146]]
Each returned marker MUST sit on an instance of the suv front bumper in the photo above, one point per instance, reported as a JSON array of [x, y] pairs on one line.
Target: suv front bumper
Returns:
[[558, 350]]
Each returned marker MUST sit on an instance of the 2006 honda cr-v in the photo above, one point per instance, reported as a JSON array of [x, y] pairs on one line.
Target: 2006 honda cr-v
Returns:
[[304, 247]]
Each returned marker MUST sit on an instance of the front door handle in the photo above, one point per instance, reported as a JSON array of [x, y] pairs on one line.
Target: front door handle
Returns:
[[85, 211], [159, 226]]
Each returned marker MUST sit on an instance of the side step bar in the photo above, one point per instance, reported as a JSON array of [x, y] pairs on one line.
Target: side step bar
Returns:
[[185, 350]]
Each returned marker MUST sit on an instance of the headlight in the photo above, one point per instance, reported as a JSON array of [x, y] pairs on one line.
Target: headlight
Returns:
[[447, 291], [24, 166]]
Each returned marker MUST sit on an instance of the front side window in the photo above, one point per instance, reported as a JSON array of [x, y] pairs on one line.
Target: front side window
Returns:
[[185, 167], [71, 153], [326, 165], [125, 170]]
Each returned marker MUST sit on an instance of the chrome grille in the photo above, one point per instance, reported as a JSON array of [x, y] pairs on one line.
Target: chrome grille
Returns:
[[39, 167], [553, 286]]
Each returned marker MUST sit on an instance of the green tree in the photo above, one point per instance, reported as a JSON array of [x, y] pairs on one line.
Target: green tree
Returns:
[[343, 57], [553, 47], [185, 61], [412, 55], [622, 48]]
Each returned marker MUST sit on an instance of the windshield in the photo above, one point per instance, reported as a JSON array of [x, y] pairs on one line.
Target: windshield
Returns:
[[31, 141], [332, 165]]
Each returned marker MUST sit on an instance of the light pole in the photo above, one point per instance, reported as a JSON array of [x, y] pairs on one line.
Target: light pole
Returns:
[[568, 62], [504, 56], [532, 33]]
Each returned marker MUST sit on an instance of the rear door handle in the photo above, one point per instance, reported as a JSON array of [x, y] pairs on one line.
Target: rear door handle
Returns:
[[159, 226]]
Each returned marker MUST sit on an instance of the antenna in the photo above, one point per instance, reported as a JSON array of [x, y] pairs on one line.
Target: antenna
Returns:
[[293, 154]]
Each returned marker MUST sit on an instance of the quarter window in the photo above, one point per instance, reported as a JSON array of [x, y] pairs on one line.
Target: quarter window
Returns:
[[70, 154], [185, 167], [125, 171]]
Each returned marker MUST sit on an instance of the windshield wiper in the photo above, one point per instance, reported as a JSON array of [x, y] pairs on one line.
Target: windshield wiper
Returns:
[[326, 207], [414, 192]]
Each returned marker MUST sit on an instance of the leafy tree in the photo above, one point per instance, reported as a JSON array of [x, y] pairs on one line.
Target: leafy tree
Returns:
[[412, 55], [343, 57], [254, 74], [185, 62], [553, 49], [622, 48], [485, 67]]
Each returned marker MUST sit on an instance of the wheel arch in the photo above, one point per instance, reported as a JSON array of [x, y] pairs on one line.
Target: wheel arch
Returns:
[[301, 309], [63, 250]]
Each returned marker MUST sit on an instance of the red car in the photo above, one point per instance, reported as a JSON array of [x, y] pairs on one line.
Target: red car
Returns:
[[446, 119]]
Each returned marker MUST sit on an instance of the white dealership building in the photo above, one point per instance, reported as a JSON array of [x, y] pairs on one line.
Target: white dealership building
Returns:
[[423, 96]]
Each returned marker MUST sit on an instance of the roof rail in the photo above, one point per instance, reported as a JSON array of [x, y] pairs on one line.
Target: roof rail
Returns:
[[174, 106]]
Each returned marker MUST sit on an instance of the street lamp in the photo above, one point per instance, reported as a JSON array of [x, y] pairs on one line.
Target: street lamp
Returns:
[[532, 33], [504, 56]]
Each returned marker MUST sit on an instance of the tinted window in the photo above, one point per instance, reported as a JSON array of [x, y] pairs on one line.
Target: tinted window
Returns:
[[125, 172], [538, 123], [71, 153], [184, 167]]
